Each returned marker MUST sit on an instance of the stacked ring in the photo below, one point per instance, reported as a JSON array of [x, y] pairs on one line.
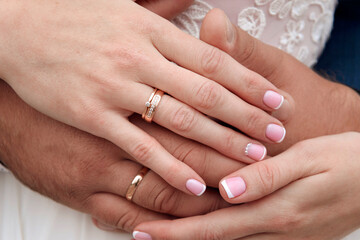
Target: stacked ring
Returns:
[[135, 183], [152, 104]]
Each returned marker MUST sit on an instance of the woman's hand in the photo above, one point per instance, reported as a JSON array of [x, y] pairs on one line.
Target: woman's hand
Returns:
[[92, 64], [92, 175], [310, 191], [322, 107]]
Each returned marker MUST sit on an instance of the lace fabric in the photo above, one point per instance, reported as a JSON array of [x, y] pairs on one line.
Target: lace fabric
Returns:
[[299, 27]]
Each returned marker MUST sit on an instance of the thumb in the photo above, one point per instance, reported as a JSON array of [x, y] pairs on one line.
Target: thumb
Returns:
[[217, 30], [263, 178], [268, 61]]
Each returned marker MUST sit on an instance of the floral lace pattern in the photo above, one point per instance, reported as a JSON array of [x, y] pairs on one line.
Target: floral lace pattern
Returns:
[[299, 27]]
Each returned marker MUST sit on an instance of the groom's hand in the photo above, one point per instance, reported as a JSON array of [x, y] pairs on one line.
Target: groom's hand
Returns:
[[92, 175], [322, 107]]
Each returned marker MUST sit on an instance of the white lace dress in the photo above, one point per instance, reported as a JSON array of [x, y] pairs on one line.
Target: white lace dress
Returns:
[[299, 27]]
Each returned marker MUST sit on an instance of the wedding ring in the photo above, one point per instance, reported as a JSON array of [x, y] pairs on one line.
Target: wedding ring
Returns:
[[151, 105], [135, 183], [148, 103]]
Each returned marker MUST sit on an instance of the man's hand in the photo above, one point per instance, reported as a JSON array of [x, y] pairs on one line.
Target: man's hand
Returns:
[[315, 195], [322, 107], [92, 175]]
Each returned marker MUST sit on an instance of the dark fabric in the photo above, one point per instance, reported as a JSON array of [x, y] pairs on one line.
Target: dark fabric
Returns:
[[341, 57]]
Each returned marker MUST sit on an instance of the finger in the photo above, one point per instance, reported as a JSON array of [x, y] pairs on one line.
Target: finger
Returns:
[[265, 236], [155, 194], [166, 8], [210, 164], [262, 178], [186, 121], [117, 213], [214, 100], [213, 63], [148, 152], [254, 54], [230, 223]]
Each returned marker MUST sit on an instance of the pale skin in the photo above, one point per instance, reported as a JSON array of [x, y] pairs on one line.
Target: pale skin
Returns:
[[129, 208], [93, 65], [311, 190]]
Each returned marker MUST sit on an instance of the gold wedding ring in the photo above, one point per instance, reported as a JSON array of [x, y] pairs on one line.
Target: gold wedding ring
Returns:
[[135, 183], [152, 104]]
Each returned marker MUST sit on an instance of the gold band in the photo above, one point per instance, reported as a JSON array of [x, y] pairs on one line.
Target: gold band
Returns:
[[152, 105], [135, 183], [148, 103]]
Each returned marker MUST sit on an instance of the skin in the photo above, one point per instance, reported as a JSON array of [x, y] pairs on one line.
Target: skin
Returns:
[[11, 120], [322, 107], [95, 78], [65, 164], [303, 193], [299, 193]]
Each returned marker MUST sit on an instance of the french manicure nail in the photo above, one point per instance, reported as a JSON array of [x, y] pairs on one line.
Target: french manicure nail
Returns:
[[234, 187], [141, 236], [195, 187], [273, 100], [275, 133], [255, 151]]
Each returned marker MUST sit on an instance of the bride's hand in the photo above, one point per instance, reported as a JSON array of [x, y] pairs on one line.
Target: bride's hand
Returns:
[[91, 64], [322, 107], [92, 175], [311, 191]]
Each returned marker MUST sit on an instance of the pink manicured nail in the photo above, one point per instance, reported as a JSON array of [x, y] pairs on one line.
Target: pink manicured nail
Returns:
[[275, 133], [195, 187], [141, 236], [255, 151], [234, 187], [273, 99]]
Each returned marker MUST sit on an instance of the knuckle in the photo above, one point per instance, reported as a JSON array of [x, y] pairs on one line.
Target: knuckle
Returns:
[[183, 119], [211, 60], [210, 232], [248, 52], [208, 95], [288, 222], [127, 57], [230, 139], [252, 82], [166, 200], [254, 121], [144, 150], [128, 219], [266, 176]]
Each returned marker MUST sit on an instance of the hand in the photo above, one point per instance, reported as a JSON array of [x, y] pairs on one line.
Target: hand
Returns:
[[315, 195], [322, 107], [93, 64], [92, 175]]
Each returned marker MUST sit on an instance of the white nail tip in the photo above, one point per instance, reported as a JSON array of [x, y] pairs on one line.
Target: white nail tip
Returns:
[[134, 234], [283, 137], [202, 192], [263, 156], [227, 189], [281, 103]]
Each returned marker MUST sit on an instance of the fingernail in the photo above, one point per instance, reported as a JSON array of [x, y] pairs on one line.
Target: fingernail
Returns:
[[195, 187], [103, 226], [141, 236], [285, 113], [275, 133], [255, 151], [230, 33], [273, 99], [234, 187]]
